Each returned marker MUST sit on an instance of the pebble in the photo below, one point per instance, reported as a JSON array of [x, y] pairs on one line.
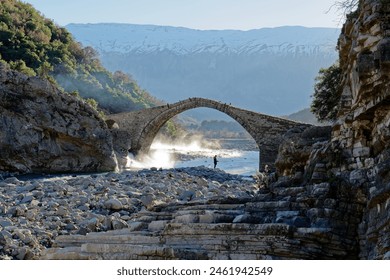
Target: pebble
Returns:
[[113, 204], [35, 211]]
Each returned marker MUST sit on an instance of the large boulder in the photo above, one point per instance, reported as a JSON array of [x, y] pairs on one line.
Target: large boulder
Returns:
[[297, 146], [45, 130]]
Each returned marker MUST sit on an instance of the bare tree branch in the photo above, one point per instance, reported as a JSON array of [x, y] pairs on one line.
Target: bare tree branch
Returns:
[[346, 6]]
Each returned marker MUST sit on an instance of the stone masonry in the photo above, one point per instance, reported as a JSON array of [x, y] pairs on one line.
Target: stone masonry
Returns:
[[135, 131]]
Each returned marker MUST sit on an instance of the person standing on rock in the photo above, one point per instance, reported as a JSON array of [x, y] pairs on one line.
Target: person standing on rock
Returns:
[[215, 161]]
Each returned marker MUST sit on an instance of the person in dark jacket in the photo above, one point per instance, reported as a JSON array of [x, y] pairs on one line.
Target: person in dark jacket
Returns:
[[215, 161]]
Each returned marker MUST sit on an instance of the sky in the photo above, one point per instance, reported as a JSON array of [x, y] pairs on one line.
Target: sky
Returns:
[[196, 14]]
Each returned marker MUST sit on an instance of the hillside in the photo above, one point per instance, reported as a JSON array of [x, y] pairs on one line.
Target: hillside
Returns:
[[269, 70], [305, 116], [36, 46]]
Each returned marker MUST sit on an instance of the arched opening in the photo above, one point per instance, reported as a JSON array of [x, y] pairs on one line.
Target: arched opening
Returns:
[[199, 140], [136, 130]]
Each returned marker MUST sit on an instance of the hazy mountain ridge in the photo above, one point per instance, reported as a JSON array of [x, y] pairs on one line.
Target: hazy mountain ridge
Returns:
[[305, 116], [126, 38], [269, 70]]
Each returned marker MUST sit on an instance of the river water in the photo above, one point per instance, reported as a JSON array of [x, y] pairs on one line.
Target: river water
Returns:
[[235, 157]]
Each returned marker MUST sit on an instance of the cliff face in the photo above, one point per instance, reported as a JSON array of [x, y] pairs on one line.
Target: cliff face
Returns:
[[362, 131], [364, 47], [44, 130], [355, 159]]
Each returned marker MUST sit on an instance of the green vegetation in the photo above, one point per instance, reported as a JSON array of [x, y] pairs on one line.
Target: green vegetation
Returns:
[[327, 89], [327, 93], [220, 129], [172, 130], [36, 46]]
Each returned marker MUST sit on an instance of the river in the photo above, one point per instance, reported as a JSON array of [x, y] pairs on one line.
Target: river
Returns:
[[231, 161], [235, 156]]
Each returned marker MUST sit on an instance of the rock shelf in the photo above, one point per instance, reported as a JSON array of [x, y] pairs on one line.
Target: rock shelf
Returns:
[[188, 213]]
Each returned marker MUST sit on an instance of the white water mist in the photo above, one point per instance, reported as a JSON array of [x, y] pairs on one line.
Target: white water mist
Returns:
[[194, 152]]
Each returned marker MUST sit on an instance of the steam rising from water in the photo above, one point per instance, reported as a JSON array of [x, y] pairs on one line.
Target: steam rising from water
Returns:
[[169, 155], [153, 159]]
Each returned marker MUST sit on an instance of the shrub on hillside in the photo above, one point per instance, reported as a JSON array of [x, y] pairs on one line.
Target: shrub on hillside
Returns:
[[327, 93]]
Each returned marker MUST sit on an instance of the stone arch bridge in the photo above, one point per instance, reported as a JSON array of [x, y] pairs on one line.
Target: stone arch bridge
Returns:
[[134, 131]]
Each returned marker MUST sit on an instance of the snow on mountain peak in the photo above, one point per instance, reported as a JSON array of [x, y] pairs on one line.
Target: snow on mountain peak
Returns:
[[126, 38]]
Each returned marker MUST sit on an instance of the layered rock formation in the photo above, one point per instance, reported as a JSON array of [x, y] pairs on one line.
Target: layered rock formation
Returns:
[[362, 131], [358, 153], [198, 213], [45, 130], [296, 148]]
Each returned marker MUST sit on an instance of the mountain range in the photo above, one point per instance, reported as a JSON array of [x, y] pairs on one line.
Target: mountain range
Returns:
[[268, 70]]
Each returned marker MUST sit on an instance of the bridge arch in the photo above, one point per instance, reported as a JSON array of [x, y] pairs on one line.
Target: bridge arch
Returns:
[[151, 129], [136, 130]]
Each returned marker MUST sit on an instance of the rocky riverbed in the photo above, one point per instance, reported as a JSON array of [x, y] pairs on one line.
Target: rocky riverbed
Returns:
[[34, 212]]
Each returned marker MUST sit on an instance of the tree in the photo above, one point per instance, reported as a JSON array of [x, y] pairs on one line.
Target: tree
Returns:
[[92, 102], [121, 77], [327, 89], [20, 66], [44, 69], [36, 46], [347, 6], [327, 93]]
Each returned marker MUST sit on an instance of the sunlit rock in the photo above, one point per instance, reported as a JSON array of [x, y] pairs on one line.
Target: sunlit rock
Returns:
[[46, 130]]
